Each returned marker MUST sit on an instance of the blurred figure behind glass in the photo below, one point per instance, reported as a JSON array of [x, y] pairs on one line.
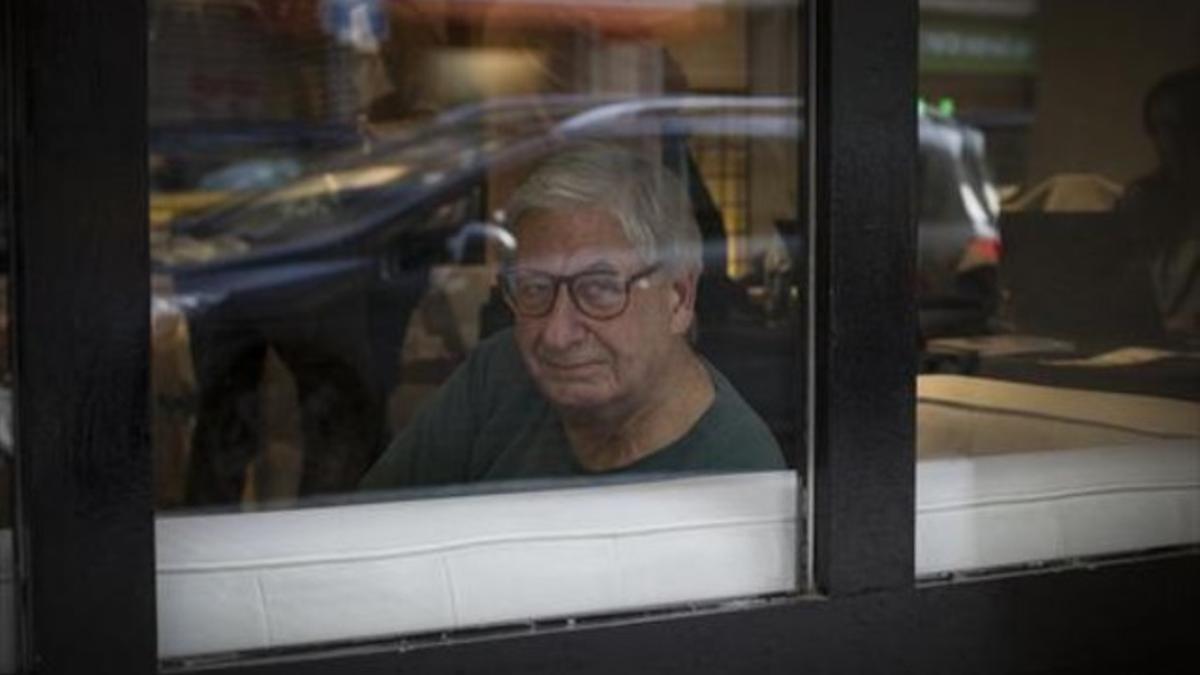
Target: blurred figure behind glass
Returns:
[[1164, 206]]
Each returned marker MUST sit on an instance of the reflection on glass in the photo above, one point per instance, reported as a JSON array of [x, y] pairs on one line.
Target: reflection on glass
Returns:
[[1059, 412], [338, 187]]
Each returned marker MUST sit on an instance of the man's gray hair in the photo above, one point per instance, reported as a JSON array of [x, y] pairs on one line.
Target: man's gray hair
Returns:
[[645, 197]]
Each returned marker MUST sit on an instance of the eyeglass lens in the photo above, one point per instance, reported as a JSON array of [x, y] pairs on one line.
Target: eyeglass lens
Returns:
[[596, 294]]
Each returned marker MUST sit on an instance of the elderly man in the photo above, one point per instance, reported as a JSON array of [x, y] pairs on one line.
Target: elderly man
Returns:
[[597, 376]]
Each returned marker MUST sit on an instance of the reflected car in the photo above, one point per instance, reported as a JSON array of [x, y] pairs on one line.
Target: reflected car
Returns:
[[958, 236], [362, 217], [195, 168]]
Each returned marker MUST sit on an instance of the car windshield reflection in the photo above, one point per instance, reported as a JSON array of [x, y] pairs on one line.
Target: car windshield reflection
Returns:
[[355, 190]]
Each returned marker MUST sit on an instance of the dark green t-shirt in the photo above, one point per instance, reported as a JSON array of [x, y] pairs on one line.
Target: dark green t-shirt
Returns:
[[489, 422]]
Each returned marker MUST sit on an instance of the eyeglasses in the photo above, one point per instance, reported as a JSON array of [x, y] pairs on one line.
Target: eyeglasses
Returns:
[[598, 294]]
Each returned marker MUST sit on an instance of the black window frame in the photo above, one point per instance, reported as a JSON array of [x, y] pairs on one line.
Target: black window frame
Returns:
[[76, 125]]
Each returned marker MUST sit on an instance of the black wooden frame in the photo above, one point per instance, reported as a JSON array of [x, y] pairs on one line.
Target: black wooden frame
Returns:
[[865, 334], [79, 256], [80, 336]]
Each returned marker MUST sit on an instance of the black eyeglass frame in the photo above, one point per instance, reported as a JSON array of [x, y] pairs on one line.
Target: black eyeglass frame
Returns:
[[568, 280]]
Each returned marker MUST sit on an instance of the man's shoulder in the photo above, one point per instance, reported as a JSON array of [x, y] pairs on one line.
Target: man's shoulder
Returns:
[[495, 371], [497, 355], [732, 421], [499, 344], [728, 401]]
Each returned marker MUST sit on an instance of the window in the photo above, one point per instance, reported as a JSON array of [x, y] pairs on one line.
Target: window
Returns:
[[82, 435], [359, 432], [1058, 410]]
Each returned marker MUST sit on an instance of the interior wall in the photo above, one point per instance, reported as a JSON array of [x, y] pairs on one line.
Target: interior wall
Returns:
[[774, 45], [714, 58], [1096, 61]]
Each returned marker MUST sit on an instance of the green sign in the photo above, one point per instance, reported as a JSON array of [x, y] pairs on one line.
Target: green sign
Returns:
[[944, 107], [976, 46]]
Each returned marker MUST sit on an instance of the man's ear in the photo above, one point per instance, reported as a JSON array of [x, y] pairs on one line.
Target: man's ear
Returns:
[[683, 301]]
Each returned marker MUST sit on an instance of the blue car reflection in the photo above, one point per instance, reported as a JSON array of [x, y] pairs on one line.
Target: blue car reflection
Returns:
[[350, 220]]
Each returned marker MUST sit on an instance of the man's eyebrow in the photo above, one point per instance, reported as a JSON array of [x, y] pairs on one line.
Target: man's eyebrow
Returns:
[[600, 266]]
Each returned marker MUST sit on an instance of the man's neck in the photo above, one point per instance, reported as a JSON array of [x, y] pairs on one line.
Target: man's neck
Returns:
[[663, 416]]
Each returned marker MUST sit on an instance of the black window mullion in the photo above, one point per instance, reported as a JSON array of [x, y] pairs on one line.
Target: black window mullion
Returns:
[[81, 338], [863, 118]]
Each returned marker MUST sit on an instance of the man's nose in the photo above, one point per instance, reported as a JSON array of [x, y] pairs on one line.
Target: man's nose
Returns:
[[564, 324]]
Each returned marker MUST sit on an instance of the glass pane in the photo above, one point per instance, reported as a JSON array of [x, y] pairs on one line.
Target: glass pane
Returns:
[[1059, 241], [425, 271]]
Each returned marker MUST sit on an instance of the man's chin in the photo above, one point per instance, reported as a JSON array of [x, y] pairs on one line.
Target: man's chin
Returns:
[[576, 396]]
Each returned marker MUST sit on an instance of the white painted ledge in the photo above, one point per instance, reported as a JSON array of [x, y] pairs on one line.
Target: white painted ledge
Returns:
[[232, 582]]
